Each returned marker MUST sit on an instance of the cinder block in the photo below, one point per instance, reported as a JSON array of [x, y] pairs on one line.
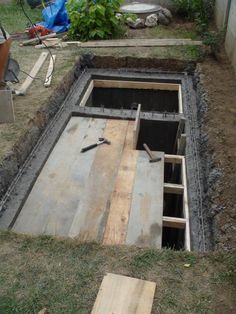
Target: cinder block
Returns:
[[6, 107]]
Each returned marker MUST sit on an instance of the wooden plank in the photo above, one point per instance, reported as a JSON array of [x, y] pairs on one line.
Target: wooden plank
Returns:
[[135, 85], [181, 145], [90, 218], [124, 295], [173, 188], [36, 40], [28, 81], [139, 43], [53, 201], [173, 159], [136, 127], [180, 99], [116, 228], [145, 222], [87, 94], [174, 222], [186, 208], [51, 65], [6, 107]]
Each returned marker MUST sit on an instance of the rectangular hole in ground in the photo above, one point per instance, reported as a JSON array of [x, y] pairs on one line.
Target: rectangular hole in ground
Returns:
[[173, 238], [151, 100], [158, 135], [173, 205]]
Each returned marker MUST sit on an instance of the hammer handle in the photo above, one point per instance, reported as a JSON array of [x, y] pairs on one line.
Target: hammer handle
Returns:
[[85, 149]]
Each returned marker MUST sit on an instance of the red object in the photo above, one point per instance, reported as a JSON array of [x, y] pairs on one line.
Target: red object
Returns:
[[40, 30]]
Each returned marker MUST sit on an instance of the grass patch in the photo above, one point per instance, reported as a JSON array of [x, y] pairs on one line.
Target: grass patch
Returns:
[[13, 18], [64, 276]]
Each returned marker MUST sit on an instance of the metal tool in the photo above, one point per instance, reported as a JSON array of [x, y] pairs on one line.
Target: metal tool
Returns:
[[152, 158], [101, 141]]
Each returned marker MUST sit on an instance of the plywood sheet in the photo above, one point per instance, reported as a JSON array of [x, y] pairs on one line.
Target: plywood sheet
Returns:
[[145, 222], [91, 216], [124, 295], [54, 199], [6, 107], [116, 228]]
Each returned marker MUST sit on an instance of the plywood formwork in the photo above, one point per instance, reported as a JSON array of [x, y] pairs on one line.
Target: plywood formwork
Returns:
[[98, 195]]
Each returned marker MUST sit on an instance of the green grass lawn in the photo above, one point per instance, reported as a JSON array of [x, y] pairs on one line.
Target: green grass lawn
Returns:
[[64, 276], [13, 18]]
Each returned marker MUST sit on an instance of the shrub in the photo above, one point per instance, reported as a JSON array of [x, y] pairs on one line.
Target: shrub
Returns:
[[199, 10], [93, 19]]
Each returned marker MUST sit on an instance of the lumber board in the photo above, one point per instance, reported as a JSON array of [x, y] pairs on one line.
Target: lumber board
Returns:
[[185, 207], [135, 85], [29, 80], [87, 94], [51, 65], [173, 159], [136, 127], [145, 222], [6, 107], [170, 42], [124, 295], [180, 99], [90, 218], [54, 198], [181, 144], [117, 222], [174, 222], [173, 188], [36, 39]]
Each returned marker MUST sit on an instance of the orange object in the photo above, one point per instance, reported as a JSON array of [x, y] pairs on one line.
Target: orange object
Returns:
[[40, 30]]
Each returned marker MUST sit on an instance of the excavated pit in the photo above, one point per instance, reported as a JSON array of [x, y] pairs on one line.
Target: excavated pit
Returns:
[[159, 126]]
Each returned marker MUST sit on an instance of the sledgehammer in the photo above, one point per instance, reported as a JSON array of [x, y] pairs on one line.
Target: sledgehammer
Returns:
[[152, 158]]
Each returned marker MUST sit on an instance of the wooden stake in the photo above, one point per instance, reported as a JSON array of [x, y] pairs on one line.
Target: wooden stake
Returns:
[[28, 81], [136, 127], [51, 65]]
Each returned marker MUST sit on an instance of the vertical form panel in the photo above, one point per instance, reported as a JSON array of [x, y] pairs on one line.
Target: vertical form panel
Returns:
[[145, 223]]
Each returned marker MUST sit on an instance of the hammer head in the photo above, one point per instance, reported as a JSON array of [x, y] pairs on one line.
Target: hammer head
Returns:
[[103, 140]]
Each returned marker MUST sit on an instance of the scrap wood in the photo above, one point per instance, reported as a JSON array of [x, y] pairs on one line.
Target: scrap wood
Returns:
[[28, 81], [51, 65], [124, 295], [139, 43], [34, 41]]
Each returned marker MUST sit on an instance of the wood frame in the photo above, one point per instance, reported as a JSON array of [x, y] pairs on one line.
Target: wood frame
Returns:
[[99, 83], [174, 222]]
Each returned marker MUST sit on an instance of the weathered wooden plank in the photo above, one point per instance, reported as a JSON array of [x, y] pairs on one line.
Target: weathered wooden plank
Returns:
[[135, 85], [145, 222], [87, 94], [124, 295], [173, 159], [185, 207], [116, 228], [29, 80], [50, 70], [91, 216], [6, 107], [53, 201], [136, 127], [173, 188], [174, 222], [140, 43]]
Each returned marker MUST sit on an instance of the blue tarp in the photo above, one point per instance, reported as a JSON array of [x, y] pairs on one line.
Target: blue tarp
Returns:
[[55, 17]]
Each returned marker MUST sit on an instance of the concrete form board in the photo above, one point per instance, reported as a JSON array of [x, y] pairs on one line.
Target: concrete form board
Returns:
[[145, 222], [6, 107], [54, 199]]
